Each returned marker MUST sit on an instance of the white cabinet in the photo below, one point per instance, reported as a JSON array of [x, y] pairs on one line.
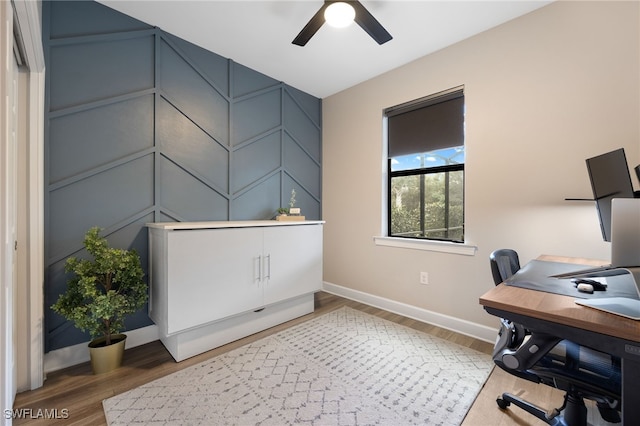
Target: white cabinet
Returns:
[[214, 282]]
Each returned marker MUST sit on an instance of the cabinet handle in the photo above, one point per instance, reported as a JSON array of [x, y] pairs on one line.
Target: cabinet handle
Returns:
[[268, 274], [257, 268]]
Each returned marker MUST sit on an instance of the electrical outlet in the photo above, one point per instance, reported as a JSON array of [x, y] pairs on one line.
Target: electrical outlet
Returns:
[[424, 278]]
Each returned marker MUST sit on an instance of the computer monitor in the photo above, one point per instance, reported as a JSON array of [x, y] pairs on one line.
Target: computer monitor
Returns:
[[610, 178]]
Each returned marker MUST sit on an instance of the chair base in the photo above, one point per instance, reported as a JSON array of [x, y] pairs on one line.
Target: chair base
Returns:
[[572, 413]]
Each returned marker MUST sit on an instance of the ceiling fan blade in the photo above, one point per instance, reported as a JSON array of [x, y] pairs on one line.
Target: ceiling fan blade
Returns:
[[370, 24], [312, 27]]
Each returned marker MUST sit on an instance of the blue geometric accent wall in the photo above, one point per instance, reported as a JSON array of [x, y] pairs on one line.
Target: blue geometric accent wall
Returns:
[[142, 126]]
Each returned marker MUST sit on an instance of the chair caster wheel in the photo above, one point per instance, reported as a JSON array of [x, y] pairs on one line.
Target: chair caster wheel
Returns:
[[502, 403]]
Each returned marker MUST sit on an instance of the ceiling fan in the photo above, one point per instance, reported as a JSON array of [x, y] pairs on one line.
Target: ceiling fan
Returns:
[[362, 17]]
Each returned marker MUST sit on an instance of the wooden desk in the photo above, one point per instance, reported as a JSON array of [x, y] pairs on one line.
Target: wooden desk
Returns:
[[561, 316]]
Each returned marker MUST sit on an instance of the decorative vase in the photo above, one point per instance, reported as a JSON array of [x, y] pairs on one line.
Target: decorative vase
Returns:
[[107, 358]]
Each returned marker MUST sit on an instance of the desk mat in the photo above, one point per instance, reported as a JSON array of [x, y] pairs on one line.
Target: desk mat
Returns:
[[536, 275]]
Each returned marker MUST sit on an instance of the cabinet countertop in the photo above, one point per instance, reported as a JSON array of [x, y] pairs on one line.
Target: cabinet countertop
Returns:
[[169, 226]]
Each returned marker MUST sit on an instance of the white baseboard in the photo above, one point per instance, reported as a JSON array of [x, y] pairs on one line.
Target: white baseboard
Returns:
[[77, 354], [468, 328]]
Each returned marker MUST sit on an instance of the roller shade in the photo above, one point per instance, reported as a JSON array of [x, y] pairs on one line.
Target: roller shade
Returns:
[[437, 125]]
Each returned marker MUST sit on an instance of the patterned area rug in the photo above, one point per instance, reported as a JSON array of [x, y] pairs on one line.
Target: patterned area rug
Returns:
[[343, 368]]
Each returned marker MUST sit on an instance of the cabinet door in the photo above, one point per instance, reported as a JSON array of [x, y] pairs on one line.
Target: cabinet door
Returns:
[[212, 274], [293, 261]]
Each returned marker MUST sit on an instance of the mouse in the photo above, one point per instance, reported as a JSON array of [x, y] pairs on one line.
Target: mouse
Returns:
[[585, 288], [596, 285]]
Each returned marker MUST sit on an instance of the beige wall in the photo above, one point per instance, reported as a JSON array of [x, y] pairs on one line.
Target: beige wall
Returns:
[[543, 93]]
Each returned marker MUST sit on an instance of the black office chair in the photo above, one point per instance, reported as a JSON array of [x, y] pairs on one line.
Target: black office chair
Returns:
[[581, 372]]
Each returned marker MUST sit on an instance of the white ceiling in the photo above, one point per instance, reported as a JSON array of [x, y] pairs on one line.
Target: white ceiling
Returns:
[[258, 34]]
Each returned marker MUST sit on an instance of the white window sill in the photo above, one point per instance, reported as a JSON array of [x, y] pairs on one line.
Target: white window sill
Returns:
[[428, 245]]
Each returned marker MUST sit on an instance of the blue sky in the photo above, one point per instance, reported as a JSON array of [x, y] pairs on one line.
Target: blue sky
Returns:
[[442, 157]]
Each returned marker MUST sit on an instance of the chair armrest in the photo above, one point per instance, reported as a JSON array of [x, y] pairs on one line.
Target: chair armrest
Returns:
[[524, 356]]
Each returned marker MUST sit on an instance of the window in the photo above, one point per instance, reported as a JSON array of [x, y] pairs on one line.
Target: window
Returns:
[[426, 167]]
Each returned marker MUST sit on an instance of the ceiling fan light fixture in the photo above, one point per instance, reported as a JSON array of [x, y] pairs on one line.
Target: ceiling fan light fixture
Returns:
[[351, 11], [339, 14]]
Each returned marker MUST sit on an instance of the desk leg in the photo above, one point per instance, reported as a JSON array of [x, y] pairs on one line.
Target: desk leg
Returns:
[[630, 391]]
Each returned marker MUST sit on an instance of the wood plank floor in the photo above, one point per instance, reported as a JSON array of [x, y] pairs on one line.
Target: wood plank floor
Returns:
[[75, 394]]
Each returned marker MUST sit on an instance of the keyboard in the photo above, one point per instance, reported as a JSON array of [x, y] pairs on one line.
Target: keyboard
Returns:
[[600, 271]]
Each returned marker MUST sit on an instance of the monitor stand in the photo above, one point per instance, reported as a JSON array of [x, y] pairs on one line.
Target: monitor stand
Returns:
[[629, 308], [625, 232]]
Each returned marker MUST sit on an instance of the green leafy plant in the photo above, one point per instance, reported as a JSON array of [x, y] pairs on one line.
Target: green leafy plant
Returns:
[[103, 290], [292, 203]]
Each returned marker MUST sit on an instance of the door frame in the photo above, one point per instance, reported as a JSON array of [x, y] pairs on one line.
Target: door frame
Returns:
[[27, 20], [8, 193]]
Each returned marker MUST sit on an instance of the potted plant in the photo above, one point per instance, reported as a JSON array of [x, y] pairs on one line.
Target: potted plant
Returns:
[[291, 213], [99, 295]]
